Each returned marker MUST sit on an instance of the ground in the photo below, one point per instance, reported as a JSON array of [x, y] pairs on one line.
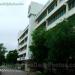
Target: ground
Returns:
[[12, 72]]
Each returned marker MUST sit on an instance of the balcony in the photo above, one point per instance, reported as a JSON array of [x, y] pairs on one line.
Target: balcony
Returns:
[[43, 15], [57, 15], [52, 6], [23, 38], [23, 33], [21, 59], [22, 45], [18, 59], [22, 52], [51, 13]]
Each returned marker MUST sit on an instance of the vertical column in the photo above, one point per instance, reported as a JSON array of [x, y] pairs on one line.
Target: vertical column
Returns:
[[47, 20], [46, 23], [67, 7], [58, 2], [47, 11]]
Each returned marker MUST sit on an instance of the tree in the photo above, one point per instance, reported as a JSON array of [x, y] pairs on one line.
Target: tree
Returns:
[[11, 57], [61, 41], [2, 53], [56, 44], [38, 48]]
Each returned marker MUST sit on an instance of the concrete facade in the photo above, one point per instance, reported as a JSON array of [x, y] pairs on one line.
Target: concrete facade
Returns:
[[25, 38], [54, 12], [22, 44]]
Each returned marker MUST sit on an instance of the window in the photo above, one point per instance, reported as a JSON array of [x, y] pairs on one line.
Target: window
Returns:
[[52, 6], [57, 15], [24, 55], [42, 16], [25, 46], [71, 4], [26, 39], [21, 43], [26, 31]]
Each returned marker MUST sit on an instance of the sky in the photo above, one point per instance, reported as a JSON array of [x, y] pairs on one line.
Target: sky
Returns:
[[13, 18]]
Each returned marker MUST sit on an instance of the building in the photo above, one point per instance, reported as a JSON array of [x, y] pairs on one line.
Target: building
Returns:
[[24, 38], [22, 44], [49, 15], [54, 12]]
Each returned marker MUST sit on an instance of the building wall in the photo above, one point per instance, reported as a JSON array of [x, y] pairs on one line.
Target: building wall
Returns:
[[54, 15], [34, 8], [22, 44]]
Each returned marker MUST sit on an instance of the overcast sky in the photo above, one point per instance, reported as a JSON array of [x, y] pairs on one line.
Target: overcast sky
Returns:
[[13, 18]]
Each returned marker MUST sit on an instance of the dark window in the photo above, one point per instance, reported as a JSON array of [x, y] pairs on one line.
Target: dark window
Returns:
[[52, 6], [26, 39], [43, 15], [57, 15], [71, 4]]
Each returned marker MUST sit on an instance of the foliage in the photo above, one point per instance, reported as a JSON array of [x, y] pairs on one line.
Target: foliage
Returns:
[[61, 41], [56, 44], [2, 53], [11, 57], [40, 74], [38, 47]]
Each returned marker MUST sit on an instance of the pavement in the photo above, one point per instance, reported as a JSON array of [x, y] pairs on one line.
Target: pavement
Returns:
[[11, 72]]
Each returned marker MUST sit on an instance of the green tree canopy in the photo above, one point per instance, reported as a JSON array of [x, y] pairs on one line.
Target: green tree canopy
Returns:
[[61, 41], [38, 48], [11, 57], [56, 44]]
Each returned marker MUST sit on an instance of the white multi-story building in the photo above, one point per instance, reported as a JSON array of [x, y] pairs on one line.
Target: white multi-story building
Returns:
[[22, 44], [24, 38], [55, 11], [49, 15]]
